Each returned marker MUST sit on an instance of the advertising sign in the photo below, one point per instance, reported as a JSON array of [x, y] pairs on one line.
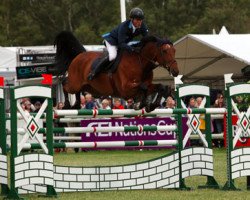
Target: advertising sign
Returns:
[[37, 58], [33, 71], [244, 140], [128, 136]]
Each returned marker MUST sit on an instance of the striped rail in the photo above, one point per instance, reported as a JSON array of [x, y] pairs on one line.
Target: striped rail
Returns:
[[80, 130], [131, 112], [107, 144]]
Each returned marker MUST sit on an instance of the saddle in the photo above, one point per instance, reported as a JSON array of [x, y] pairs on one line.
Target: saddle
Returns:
[[103, 65]]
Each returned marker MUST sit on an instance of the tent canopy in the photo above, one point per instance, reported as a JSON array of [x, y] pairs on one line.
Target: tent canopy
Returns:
[[7, 60], [209, 57]]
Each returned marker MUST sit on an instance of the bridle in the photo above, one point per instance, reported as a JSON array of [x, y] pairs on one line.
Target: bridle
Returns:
[[165, 64]]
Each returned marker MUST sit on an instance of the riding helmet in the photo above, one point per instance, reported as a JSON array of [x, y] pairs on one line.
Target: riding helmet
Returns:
[[136, 13]]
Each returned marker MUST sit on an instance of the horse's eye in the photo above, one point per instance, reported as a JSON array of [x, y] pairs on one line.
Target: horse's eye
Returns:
[[164, 50]]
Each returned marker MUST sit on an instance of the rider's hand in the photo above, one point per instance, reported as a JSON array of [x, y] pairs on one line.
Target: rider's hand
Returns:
[[130, 49], [137, 49]]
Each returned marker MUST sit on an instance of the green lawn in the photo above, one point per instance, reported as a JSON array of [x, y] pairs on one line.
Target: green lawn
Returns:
[[100, 158]]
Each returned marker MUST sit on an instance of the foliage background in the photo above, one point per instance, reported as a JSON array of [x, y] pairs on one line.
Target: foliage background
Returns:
[[36, 22]]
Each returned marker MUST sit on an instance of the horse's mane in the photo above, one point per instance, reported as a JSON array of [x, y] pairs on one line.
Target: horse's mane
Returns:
[[67, 48], [152, 38]]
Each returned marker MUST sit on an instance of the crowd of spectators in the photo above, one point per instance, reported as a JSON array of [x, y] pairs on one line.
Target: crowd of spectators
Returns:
[[28, 107]]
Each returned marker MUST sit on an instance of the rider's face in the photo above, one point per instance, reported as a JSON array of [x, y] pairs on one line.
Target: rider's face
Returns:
[[137, 22]]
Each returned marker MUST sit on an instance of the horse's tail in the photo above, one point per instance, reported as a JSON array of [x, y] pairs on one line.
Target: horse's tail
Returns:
[[67, 48]]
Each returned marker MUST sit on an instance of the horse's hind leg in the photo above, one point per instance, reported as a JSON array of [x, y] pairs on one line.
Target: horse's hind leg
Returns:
[[66, 96]]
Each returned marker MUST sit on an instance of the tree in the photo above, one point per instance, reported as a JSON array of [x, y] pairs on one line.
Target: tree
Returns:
[[235, 15], [36, 22]]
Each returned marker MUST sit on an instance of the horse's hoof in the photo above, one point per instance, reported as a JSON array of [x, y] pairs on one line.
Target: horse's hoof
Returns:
[[76, 106], [137, 106], [150, 107], [66, 105]]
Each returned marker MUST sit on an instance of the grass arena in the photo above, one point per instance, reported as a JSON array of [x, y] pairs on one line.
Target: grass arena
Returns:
[[146, 174]]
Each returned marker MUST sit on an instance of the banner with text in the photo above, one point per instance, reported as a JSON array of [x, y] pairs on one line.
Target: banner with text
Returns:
[[129, 136]]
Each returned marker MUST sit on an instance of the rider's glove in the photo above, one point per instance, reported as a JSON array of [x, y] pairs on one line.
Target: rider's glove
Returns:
[[130, 49]]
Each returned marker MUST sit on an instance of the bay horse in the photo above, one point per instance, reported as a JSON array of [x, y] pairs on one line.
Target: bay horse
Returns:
[[132, 79]]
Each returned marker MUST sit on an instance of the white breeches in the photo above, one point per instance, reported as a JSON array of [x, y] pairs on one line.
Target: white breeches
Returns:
[[112, 51]]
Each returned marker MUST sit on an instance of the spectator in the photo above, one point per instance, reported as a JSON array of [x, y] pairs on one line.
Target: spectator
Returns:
[[117, 104], [83, 102], [28, 107], [241, 104], [198, 101], [130, 104], [90, 104], [192, 103], [218, 123], [219, 103], [195, 103], [202, 120], [60, 106], [22, 105], [37, 106], [170, 103], [25, 99], [105, 104]]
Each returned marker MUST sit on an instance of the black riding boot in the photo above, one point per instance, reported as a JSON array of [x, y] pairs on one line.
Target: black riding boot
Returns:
[[98, 67]]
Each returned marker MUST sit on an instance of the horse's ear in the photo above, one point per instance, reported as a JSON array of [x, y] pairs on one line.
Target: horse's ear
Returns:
[[167, 41], [148, 38]]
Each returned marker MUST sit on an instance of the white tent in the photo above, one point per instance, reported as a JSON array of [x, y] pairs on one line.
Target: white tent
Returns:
[[201, 56], [7, 60], [7, 64], [209, 57]]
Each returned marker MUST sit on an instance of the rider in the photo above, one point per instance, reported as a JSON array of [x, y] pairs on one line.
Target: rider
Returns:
[[120, 36]]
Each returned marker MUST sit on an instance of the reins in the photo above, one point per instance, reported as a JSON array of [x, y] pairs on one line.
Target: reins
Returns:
[[166, 65]]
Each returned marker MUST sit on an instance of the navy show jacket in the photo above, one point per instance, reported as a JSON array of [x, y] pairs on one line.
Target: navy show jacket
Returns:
[[123, 34]]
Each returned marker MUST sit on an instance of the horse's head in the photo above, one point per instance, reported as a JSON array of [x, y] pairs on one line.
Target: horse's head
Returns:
[[161, 52], [166, 58]]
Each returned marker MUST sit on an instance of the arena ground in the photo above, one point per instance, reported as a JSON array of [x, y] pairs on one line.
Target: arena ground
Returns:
[[106, 158]]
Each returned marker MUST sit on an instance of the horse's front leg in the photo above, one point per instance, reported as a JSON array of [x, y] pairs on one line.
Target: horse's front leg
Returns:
[[67, 105], [140, 98], [77, 104], [154, 96]]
